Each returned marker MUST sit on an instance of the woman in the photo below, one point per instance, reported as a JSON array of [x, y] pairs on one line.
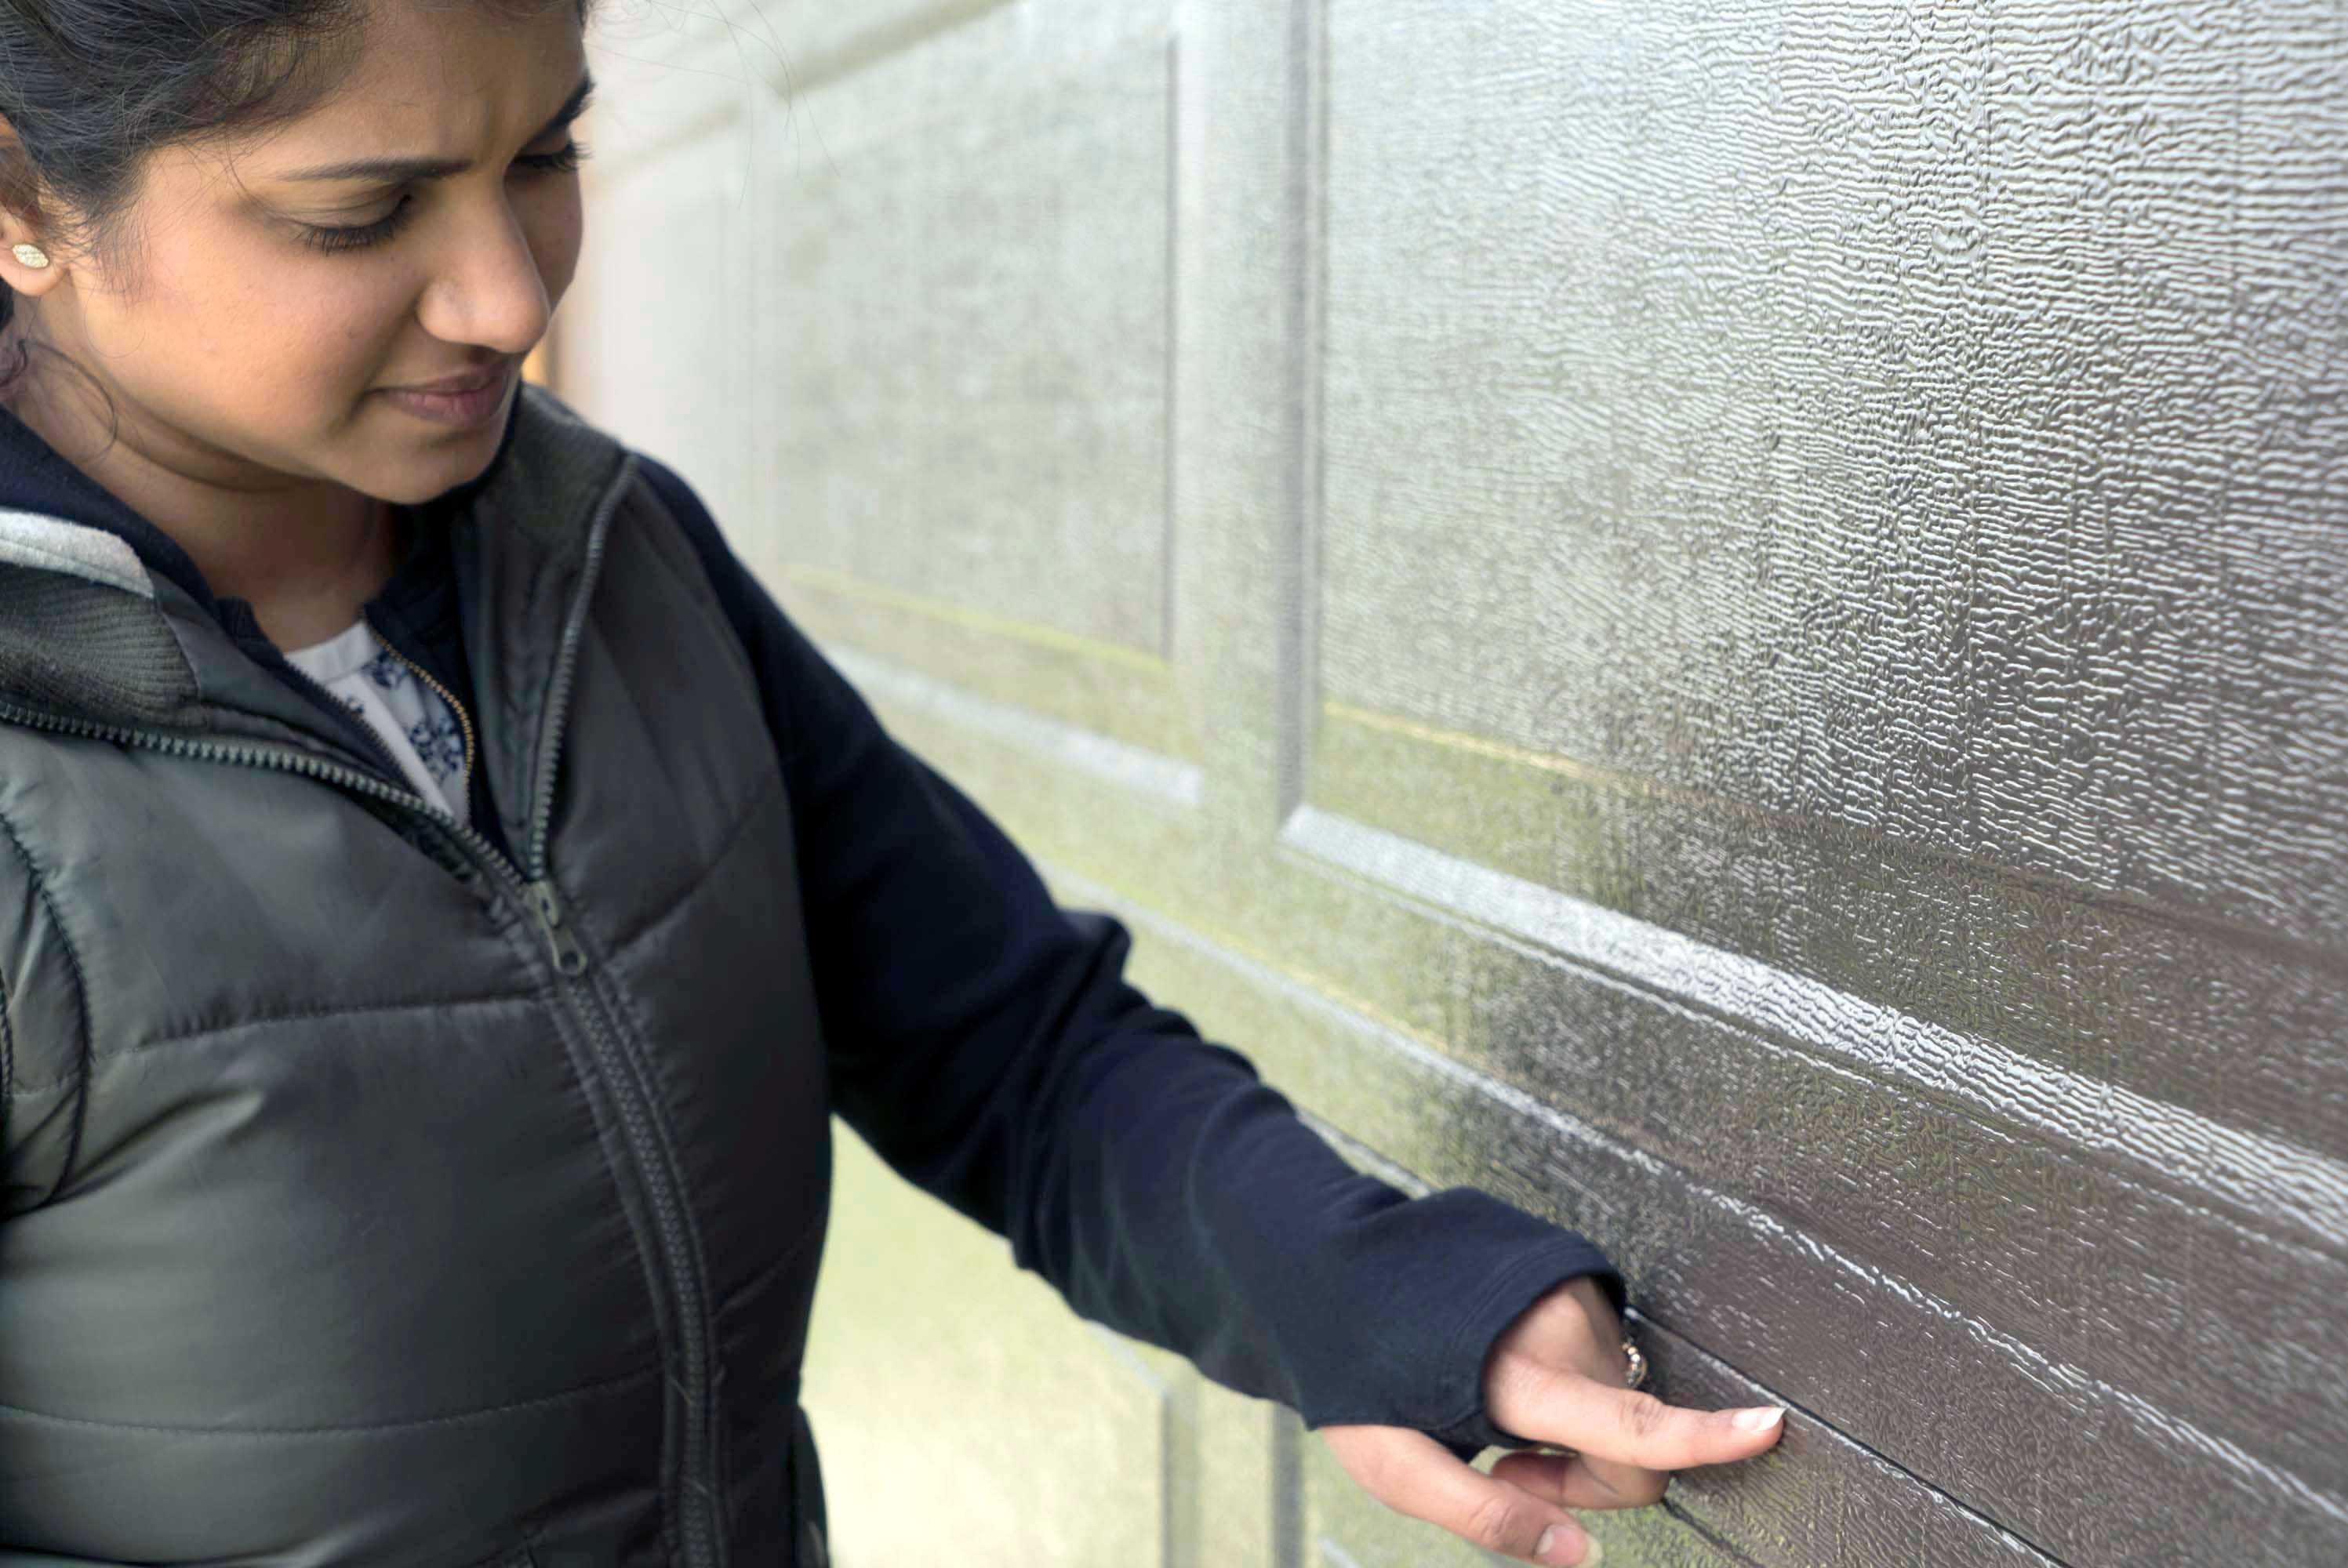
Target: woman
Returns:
[[444, 900]]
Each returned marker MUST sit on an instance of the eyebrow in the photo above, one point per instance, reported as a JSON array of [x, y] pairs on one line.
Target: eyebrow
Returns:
[[396, 171]]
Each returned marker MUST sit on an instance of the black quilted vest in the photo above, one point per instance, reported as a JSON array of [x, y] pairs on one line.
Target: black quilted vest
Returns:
[[370, 1198]]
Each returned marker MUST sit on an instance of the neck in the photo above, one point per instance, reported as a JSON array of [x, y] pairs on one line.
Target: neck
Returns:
[[305, 553]]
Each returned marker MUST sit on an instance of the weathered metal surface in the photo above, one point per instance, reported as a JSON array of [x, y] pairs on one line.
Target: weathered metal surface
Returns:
[[1728, 618], [1901, 451], [970, 351]]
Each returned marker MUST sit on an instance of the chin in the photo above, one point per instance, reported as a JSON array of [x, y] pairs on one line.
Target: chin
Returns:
[[424, 475], [417, 485]]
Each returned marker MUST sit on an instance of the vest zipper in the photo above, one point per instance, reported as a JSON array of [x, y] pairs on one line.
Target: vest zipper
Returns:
[[283, 759], [695, 1505], [374, 743], [464, 720], [570, 957], [697, 1500]]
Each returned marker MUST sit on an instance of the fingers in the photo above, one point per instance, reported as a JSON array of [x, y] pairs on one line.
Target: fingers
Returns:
[[1577, 1480], [1413, 1474], [1635, 1485], [1606, 1422]]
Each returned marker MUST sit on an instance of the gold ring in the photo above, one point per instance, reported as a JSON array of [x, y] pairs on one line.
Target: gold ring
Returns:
[[1635, 1365]]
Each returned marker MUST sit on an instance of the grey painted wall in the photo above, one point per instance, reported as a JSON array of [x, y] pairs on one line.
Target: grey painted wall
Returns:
[[1730, 619]]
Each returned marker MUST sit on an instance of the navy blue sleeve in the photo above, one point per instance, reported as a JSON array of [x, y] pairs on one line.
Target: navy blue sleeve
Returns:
[[984, 1042]]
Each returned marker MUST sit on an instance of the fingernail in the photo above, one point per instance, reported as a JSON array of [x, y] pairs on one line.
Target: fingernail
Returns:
[[1553, 1541], [1759, 1418]]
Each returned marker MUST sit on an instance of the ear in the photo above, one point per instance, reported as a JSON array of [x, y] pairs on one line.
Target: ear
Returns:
[[21, 221]]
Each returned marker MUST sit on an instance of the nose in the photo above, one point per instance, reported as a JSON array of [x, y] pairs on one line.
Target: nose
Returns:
[[489, 290]]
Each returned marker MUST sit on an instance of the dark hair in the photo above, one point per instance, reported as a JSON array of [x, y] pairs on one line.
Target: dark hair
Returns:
[[92, 86]]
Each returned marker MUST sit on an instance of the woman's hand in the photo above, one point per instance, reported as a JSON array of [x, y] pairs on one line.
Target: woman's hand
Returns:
[[1555, 1377]]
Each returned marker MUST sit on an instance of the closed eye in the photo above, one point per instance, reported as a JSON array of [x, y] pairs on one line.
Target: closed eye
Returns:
[[561, 160], [334, 238]]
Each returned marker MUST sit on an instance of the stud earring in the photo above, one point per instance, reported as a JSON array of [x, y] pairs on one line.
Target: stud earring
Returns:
[[31, 255]]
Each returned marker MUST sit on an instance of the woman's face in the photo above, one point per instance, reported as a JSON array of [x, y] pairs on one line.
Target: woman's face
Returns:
[[297, 303]]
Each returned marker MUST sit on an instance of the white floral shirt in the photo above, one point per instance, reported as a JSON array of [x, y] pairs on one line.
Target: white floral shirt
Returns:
[[413, 721]]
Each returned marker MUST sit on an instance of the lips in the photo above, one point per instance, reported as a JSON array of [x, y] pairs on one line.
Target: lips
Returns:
[[469, 381], [466, 401]]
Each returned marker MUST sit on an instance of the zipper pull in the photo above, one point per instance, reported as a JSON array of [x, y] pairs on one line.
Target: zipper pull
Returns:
[[570, 957]]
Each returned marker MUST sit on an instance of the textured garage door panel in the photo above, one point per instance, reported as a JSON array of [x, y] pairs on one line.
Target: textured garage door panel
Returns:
[[799, 46], [977, 487], [1745, 506], [2041, 1201], [2151, 998], [2011, 1434], [1817, 1498], [1730, 619], [1707, 400], [1004, 449]]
